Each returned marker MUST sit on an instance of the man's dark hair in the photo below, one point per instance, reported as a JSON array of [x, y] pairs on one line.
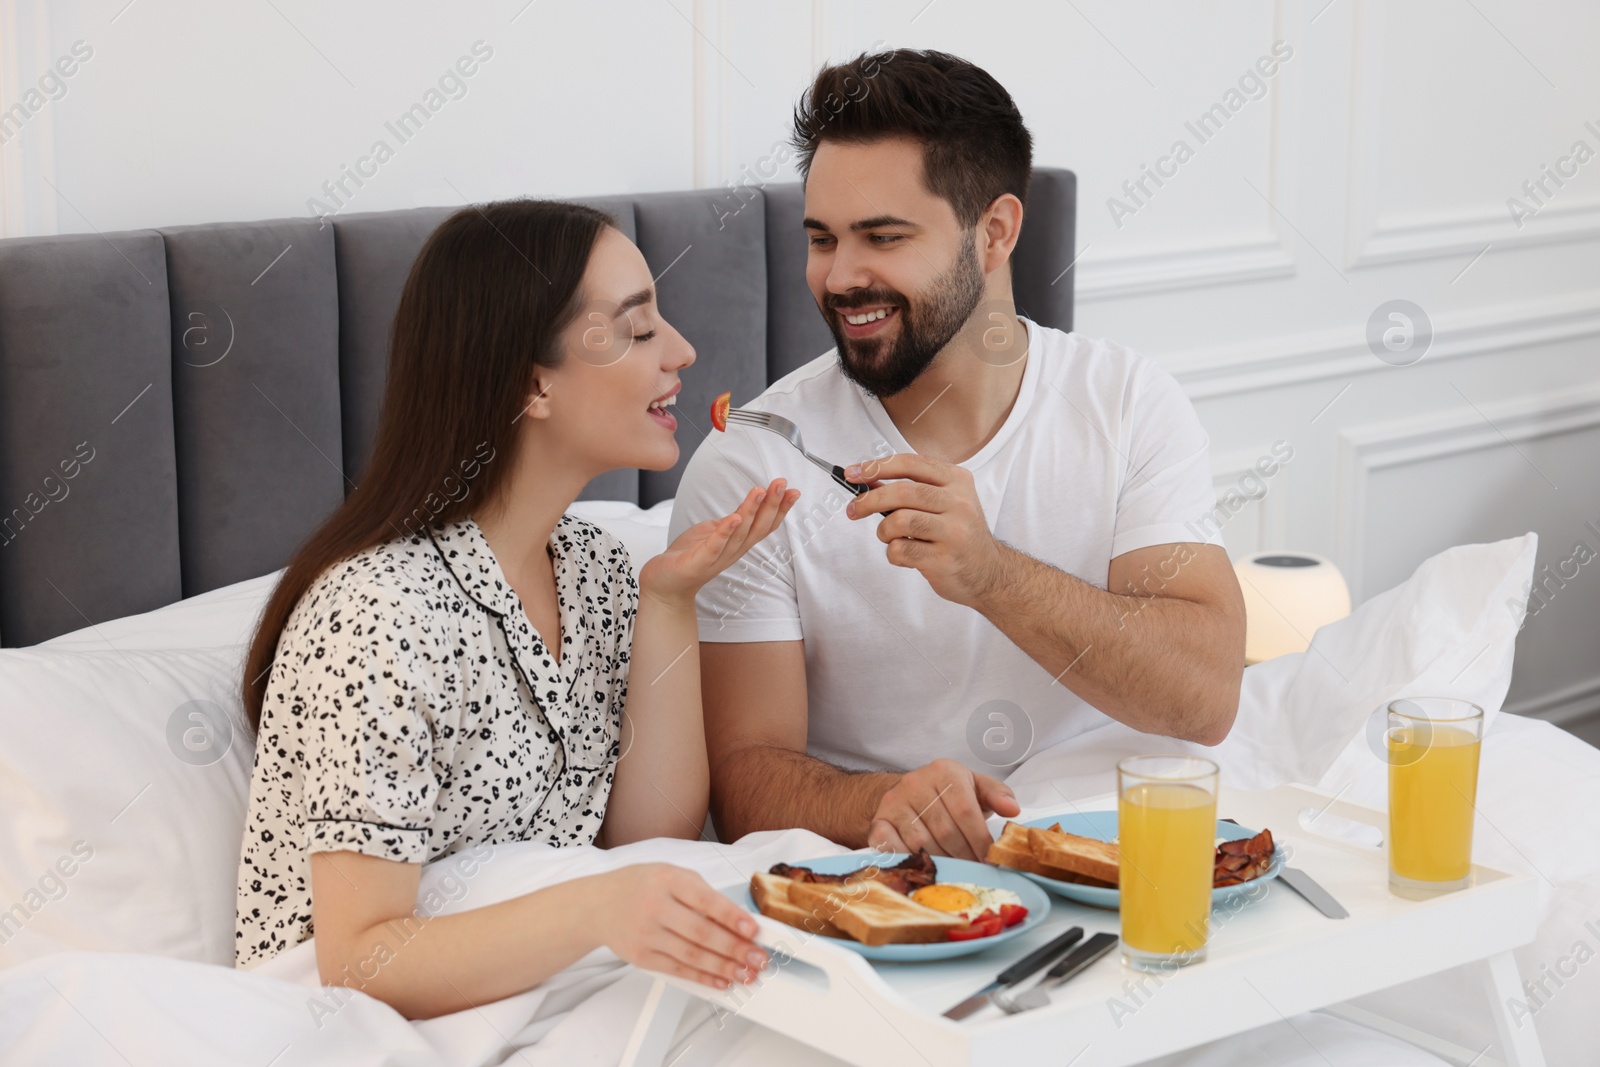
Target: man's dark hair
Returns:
[[975, 146]]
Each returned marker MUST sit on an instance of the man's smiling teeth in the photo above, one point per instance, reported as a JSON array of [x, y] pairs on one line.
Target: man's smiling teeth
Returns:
[[862, 320], [657, 405]]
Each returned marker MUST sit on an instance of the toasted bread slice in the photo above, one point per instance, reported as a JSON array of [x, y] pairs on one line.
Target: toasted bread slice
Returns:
[[771, 894], [1084, 856], [1014, 849], [1054, 853], [874, 914], [1061, 874]]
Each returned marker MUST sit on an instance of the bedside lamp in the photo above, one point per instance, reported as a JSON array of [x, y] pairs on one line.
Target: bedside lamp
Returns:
[[1287, 595]]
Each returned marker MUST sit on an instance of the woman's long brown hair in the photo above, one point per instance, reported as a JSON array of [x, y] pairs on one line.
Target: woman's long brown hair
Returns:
[[485, 302]]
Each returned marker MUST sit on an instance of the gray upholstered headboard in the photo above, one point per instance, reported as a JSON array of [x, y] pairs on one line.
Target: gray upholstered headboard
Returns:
[[180, 408]]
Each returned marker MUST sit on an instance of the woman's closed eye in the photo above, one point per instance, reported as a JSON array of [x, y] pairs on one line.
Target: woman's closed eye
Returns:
[[640, 338]]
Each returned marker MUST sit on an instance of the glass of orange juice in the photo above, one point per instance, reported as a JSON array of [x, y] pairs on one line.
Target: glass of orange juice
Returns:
[[1432, 744], [1166, 832]]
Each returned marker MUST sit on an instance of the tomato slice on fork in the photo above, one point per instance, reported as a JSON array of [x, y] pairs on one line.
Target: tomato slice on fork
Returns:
[[719, 411]]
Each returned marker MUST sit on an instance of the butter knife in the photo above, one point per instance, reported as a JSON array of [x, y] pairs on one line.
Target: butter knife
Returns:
[[1017, 972], [1307, 886]]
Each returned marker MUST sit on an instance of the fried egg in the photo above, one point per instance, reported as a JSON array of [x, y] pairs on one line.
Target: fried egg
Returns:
[[963, 898]]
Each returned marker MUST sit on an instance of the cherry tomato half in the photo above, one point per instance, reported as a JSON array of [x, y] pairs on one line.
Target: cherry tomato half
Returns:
[[986, 925], [1012, 914]]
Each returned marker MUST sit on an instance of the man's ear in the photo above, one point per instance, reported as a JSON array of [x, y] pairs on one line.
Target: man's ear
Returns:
[[538, 401], [998, 230]]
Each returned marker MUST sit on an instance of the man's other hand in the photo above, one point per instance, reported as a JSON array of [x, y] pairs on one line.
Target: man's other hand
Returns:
[[941, 807]]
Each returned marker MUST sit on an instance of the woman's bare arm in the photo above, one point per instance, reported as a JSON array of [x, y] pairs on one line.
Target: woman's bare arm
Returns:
[[369, 936], [662, 784]]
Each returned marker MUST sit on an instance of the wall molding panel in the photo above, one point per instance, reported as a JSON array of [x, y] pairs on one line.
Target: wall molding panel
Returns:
[[1465, 235], [10, 156], [24, 52], [1249, 259], [1226, 370], [1565, 706], [1263, 524], [1374, 238], [1243, 258], [1435, 435], [713, 135]]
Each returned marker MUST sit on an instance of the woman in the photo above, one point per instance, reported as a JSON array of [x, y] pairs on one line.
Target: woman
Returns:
[[445, 664]]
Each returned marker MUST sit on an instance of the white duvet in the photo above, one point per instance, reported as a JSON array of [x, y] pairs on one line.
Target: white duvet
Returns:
[[159, 887], [114, 1008], [80, 1007], [118, 1007]]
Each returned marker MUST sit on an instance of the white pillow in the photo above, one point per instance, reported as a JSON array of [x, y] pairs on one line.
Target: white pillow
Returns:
[[121, 813], [1445, 631], [644, 532], [218, 619]]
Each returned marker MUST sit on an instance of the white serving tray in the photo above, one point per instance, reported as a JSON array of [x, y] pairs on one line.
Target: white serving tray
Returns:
[[1275, 957]]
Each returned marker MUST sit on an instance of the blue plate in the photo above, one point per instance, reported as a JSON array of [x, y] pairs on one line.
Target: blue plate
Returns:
[[1102, 825], [949, 870]]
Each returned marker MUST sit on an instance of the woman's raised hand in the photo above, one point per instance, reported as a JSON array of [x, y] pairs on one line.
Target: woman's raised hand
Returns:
[[668, 919], [707, 548]]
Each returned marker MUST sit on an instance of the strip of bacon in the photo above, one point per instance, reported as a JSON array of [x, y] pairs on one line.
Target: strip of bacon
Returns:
[[907, 876], [1242, 860]]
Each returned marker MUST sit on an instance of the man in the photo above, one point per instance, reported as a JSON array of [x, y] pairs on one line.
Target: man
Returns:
[[1022, 564]]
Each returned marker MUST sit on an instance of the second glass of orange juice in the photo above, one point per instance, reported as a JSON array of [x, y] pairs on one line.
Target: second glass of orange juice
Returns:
[[1432, 746], [1166, 832]]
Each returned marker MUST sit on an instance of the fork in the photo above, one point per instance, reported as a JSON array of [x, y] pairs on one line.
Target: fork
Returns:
[[1077, 960], [791, 433]]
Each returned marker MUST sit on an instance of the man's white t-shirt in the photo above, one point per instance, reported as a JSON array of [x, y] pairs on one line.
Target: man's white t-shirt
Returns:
[[1101, 454]]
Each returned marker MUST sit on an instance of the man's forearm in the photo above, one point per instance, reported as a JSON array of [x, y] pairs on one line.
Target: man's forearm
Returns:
[[767, 787], [1157, 663]]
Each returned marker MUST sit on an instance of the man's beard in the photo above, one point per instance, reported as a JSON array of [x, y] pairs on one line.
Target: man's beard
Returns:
[[924, 330]]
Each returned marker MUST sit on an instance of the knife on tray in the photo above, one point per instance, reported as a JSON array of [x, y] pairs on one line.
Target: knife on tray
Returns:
[[1309, 888], [1027, 965]]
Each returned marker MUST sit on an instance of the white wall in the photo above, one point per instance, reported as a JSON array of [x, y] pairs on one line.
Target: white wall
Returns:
[[1374, 164]]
